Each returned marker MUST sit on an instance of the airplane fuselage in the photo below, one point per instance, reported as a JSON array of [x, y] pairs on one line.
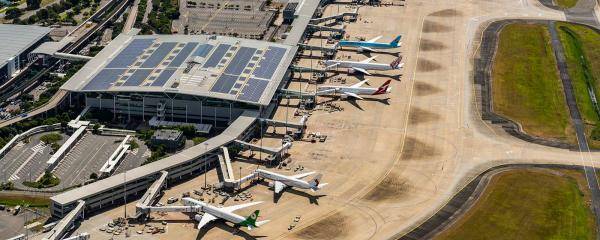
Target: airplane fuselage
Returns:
[[373, 45], [290, 182], [212, 210], [366, 66], [355, 90]]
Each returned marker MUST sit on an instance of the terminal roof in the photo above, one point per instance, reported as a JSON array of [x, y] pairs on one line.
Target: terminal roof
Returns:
[[201, 65], [16, 39]]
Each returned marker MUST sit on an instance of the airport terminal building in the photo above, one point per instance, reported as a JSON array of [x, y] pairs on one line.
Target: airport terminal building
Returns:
[[17, 42], [197, 78]]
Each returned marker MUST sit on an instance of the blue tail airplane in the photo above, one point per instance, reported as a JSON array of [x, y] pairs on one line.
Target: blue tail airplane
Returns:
[[372, 44]]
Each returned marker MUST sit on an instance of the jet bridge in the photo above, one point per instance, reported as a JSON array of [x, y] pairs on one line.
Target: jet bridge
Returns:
[[330, 51], [300, 125], [226, 169], [316, 28], [150, 195], [273, 151], [351, 15], [65, 224]]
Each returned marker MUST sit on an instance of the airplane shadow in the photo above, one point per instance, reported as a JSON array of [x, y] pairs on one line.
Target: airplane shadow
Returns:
[[313, 199], [361, 76], [225, 227], [354, 102], [369, 53]]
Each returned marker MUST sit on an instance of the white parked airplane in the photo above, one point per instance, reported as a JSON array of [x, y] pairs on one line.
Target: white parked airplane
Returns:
[[364, 65], [226, 213], [355, 90], [280, 182]]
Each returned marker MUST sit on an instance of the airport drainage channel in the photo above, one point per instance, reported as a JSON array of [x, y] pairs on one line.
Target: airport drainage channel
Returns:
[[462, 201]]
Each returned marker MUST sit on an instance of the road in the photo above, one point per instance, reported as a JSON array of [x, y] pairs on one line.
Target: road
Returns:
[[52, 103], [132, 16]]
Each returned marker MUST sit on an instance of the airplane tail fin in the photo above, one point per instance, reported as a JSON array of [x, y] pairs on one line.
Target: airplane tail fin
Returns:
[[250, 221], [315, 183], [396, 63], [396, 41], [385, 88]]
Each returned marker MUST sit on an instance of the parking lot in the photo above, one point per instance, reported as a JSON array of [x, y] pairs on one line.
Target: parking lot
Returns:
[[134, 158], [26, 161], [13, 225]]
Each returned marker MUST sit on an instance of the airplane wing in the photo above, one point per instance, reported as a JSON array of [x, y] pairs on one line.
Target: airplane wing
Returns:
[[332, 65], [375, 39], [240, 206], [368, 60], [362, 70], [354, 95], [359, 84], [279, 186], [206, 218], [368, 49], [302, 175]]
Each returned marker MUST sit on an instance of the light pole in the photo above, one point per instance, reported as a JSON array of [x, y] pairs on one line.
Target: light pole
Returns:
[[205, 153]]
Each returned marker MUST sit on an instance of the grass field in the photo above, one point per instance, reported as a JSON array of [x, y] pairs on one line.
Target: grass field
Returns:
[[566, 3], [526, 86], [16, 199], [529, 204], [582, 49]]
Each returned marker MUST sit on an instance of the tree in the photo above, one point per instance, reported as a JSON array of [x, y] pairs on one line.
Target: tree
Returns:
[[33, 4], [94, 176], [96, 128], [13, 13], [42, 14]]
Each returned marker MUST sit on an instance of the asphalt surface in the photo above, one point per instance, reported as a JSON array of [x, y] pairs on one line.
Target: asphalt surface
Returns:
[[87, 157], [11, 225], [583, 12], [590, 172], [26, 161], [134, 158]]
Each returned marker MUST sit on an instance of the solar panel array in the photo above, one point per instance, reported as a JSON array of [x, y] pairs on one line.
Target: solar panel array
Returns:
[[242, 72]]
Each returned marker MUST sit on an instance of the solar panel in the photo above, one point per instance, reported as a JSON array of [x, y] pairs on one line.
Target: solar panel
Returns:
[[130, 53], [240, 60], [216, 56], [104, 79], [203, 50], [185, 52], [224, 83], [158, 55], [138, 77], [253, 90], [269, 63], [163, 77]]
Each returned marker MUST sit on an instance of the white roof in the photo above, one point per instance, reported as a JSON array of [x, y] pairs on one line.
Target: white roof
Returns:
[[16, 39]]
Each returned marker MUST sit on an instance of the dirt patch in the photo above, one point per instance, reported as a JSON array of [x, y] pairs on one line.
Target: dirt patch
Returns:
[[433, 27], [425, 89], [392, 188], [418, 116], [415, 149], [331, 227], [424, 65], [446, 13], [427, 45]]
